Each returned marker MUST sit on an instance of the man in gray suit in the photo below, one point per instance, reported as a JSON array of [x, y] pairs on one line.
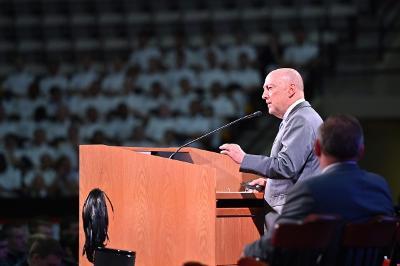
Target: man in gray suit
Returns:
[[292, 158]]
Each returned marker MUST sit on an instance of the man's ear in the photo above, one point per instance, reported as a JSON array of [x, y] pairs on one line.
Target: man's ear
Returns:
[[317, 148], [292, 90]]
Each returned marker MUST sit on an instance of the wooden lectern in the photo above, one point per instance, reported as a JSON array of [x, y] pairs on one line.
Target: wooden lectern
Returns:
[[171, 211]]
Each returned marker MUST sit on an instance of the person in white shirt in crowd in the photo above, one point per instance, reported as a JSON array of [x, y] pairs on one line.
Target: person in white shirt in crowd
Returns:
[[37, 187], [144, 52], [238, 48], [59, 124], [247, 77], [178, 72], [9, 145], [37, 147], [120, 123], [239, 98], [24, 106], [178, 49], [54, 78], [18, 167], [270, 54], [85, 76], [209, 45], [195, 123], [303, 55], [157, 96], [132, 75], [181, 55], [139, 103], [181, 102], [92, 123], [56, 98], [133, 95], [94, 97], [138, 138], [113, 82], [222, 104], [245, 74], [39, 119], [155, 73], [19, 81], [27, 172], [67, 180], [10, 178], [160, 123], [43, 181], [6, 125], [213, 73], [69, 146]]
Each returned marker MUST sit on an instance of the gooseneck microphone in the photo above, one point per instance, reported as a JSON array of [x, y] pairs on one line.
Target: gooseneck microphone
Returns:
[[255, 114]]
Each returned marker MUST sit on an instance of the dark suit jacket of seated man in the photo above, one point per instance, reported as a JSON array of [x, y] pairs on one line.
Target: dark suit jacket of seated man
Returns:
[[342, 188]]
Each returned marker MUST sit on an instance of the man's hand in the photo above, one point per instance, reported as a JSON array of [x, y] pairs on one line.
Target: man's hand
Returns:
[[259, 181], [234, 151]]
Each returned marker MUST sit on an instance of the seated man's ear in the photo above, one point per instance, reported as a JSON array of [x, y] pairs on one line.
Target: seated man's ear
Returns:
[[317, 148], [361, 152]]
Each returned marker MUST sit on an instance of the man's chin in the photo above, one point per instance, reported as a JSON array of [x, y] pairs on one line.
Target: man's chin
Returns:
[[271, 112]]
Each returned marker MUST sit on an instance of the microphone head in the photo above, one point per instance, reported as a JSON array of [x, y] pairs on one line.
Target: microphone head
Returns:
[[255, 114]]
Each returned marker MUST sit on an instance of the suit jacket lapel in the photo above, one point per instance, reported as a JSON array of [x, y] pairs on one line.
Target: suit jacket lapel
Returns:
[[296, 108], [276, 146]]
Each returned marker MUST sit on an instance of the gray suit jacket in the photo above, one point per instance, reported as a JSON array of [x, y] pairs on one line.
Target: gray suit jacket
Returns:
[[292, 158]]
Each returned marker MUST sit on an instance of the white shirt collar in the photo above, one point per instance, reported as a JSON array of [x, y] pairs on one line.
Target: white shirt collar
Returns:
[[291, 107]]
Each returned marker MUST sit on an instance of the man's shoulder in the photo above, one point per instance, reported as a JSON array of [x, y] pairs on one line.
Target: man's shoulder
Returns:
[[374, 177], [304, 111], [334, 176], [305, 117]]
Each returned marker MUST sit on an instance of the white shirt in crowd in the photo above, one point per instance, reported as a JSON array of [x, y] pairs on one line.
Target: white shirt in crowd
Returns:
[[82, 80], [49, 82], [19, 82]]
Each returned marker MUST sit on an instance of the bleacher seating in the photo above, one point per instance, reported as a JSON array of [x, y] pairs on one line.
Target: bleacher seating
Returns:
[[49, 27]]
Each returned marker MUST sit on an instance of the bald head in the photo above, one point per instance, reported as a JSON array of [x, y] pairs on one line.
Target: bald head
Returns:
[[288, 76], [282, 87]]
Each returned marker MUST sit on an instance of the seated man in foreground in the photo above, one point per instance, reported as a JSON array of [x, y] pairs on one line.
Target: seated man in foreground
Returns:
[[342, 188]]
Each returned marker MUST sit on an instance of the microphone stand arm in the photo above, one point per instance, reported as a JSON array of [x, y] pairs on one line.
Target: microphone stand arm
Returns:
[[209, 133]]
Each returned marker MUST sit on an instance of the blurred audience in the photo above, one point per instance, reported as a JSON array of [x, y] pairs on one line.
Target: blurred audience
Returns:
[[42, 241], [151, 98], [17, 241], [18, 82], [3, 249], [45, 251], [303, 55]]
